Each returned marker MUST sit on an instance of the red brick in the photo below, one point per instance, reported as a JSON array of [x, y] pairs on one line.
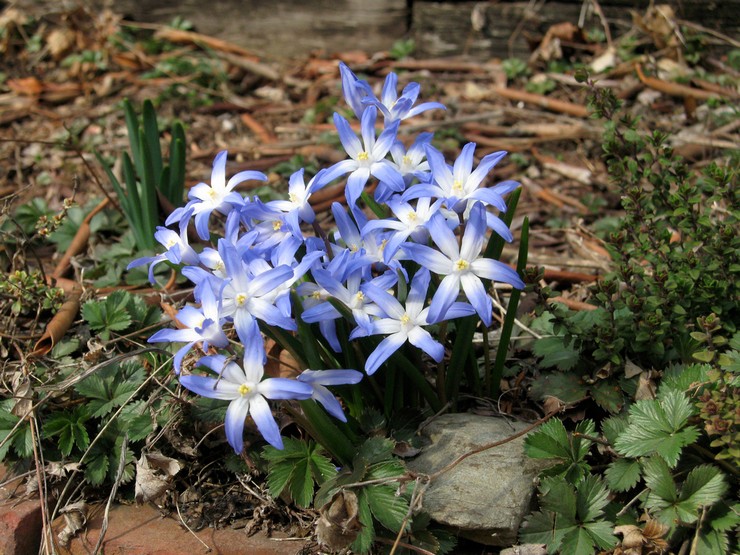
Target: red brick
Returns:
[[20, 527], [143, 531]]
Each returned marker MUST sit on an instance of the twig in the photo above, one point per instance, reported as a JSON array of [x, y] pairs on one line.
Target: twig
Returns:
[[487, 446], [415, 496], [189, 529], [545, 102], [113, 491], [604, 22], [734, 43], [673, 89]]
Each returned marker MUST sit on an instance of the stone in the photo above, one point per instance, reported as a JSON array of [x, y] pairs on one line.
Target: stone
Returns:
[[485, 497], [142, 530]]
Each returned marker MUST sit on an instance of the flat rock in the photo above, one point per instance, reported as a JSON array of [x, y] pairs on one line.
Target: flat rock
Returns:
[[485, 497]]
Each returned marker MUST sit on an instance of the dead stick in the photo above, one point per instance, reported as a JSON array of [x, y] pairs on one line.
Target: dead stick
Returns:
[[543, 101], [673, 89]]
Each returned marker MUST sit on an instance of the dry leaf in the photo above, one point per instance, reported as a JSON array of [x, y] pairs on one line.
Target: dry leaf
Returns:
[[338, 525], [631, 369], [23, 396], [27, 86], [154, 473], [75, 518], [645, 387], [60, 41], [525, 549], [60, 470]]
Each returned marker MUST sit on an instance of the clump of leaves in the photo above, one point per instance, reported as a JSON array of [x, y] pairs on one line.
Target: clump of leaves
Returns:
[[673, 292], [118, 312], [146, 173], [297, 469], [27, 292], [654, 464]]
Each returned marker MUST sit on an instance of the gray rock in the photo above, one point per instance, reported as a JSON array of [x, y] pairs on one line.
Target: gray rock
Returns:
[[485, 497]]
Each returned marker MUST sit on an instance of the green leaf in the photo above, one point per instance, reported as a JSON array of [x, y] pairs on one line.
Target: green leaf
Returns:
[[96, 468], [613, 426], [658, 426], [567, 387], [556, 353], [660, 482], [539, 528], [591, 498], [608, 396], [704, 486], [301, 484], [376, 449], [365, 538], [602, 532], [278, 476], [559, 497], [623, 474], [549, 441], [390, 509], [577, 541]]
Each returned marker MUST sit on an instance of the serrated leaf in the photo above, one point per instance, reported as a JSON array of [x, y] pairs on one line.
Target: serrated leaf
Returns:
[[376, 449], [278, 476], [322, 468], [623, 474], [549, 441], [96, 468], [301, 484], [385, 469], [539, 528], [608, 396], [556, 353], [567, 387], [577, 541], [704, 486], [656, 426], [713, 542], [23, 441], [559, 497], [591, 498], [390, 509], [658, 479], [602, 532], [613, 426], [367, 533]]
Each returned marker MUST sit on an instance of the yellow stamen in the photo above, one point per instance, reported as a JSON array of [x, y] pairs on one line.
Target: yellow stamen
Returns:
[[406, 160], [241, 298], [292, 197], [363, 156], [461, 265], [405, 319], [457, 185], [244, 389], [276, 225]]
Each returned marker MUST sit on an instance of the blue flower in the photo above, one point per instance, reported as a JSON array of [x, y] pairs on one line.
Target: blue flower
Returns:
[[401, 324], [247, 391], [219, 195], [355, 90], [318, 379], [366, 157], [178, 250], [461, 265], [200, 325], [460, 185], [395, 108]]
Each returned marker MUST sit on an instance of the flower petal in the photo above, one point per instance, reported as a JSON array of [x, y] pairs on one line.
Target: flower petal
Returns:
[[385, 348], [234, 422], [422, 339], [477, 296], [262, 416]]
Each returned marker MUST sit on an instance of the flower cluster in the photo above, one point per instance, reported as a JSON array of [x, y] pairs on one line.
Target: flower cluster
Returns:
[[383, 279]]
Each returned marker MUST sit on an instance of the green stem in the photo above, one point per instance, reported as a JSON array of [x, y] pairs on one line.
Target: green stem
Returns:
[[506, 329]]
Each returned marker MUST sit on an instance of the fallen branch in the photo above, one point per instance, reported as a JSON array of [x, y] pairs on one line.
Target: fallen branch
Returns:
[[543, 101], [673, 89]]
